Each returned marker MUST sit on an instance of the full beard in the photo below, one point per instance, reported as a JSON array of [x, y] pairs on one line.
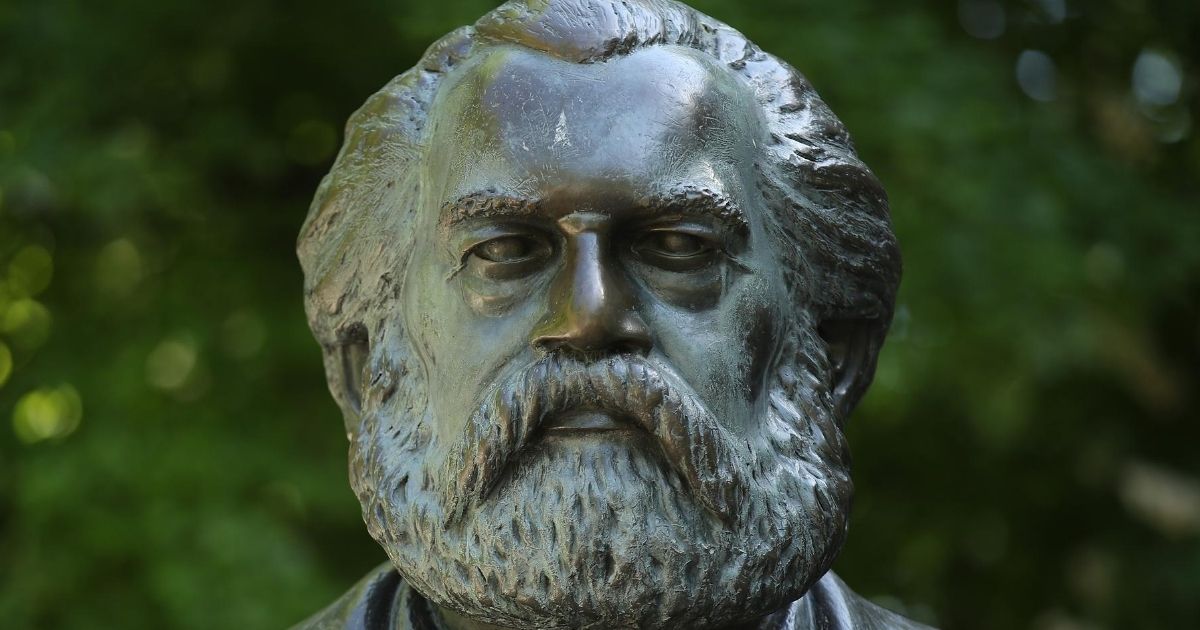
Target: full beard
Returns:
[[681, 526]]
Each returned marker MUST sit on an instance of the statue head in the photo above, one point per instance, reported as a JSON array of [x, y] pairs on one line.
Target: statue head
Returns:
[[598, 283]]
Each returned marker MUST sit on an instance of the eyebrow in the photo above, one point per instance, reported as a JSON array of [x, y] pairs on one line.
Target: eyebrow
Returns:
[[693, 200], [482, 204], [684, 200]]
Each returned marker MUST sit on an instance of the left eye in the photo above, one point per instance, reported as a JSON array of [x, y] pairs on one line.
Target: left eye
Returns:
[[674, 251], [675, 244]]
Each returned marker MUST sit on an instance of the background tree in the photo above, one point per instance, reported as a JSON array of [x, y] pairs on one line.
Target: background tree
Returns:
[[1026, 457]]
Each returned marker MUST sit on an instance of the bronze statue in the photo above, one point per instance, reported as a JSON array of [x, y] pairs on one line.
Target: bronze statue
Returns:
[[597, 284]]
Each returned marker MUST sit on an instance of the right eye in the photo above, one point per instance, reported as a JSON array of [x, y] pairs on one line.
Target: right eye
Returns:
[[509, 256], [505, 249]]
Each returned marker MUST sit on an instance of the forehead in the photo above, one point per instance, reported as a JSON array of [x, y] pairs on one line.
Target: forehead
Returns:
[[656, 118]]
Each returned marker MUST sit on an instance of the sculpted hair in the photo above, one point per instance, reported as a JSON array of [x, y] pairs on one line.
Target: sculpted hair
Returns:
[[829, 213]]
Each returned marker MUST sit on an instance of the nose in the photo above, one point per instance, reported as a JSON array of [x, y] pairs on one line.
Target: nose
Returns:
[[590, 306]]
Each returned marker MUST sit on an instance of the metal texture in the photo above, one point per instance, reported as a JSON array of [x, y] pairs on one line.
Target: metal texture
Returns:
[[598, 283]]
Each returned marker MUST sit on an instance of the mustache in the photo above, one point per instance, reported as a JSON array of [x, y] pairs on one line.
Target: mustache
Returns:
[[694, 444]]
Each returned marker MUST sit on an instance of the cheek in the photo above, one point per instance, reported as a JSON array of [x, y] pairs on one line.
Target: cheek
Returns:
[[699, 290], [758, 315], [726, 351], [500, 298], [463, 349]]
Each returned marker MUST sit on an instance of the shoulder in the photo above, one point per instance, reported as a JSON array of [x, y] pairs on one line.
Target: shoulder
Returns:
[[831, 605], [368, 605], [382, 601]]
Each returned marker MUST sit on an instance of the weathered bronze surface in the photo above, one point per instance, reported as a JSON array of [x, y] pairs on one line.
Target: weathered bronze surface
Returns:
[[598, 283]]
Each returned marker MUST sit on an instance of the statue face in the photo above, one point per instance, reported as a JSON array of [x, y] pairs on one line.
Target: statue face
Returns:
[[591, 211], [615, 419]]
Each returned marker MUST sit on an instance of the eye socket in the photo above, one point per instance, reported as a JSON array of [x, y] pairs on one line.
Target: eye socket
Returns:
[[674, 250], [505, 249], [675, 244], [508, 256]]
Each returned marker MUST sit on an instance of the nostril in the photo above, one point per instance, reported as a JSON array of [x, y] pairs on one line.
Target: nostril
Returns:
[[637, 343], [547, 345], [634, 335], [632, 347]]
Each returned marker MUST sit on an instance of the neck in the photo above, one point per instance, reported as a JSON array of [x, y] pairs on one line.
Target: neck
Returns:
[[450, 620]]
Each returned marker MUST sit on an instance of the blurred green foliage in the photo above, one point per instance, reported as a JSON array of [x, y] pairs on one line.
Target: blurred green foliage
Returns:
[[1026, 459]]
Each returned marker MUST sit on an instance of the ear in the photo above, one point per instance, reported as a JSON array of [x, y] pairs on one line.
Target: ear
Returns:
[[853, 348]]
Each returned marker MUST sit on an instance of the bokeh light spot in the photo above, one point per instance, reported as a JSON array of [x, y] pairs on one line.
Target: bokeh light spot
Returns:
[[50, 413], [26, 322], [243, 334], [1037, 75], [118, 268], [984, 19], [32, 189], [30, 271], [6, 363], [1157, 78], [1052, 11], [170, 364], [1163, 499]]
